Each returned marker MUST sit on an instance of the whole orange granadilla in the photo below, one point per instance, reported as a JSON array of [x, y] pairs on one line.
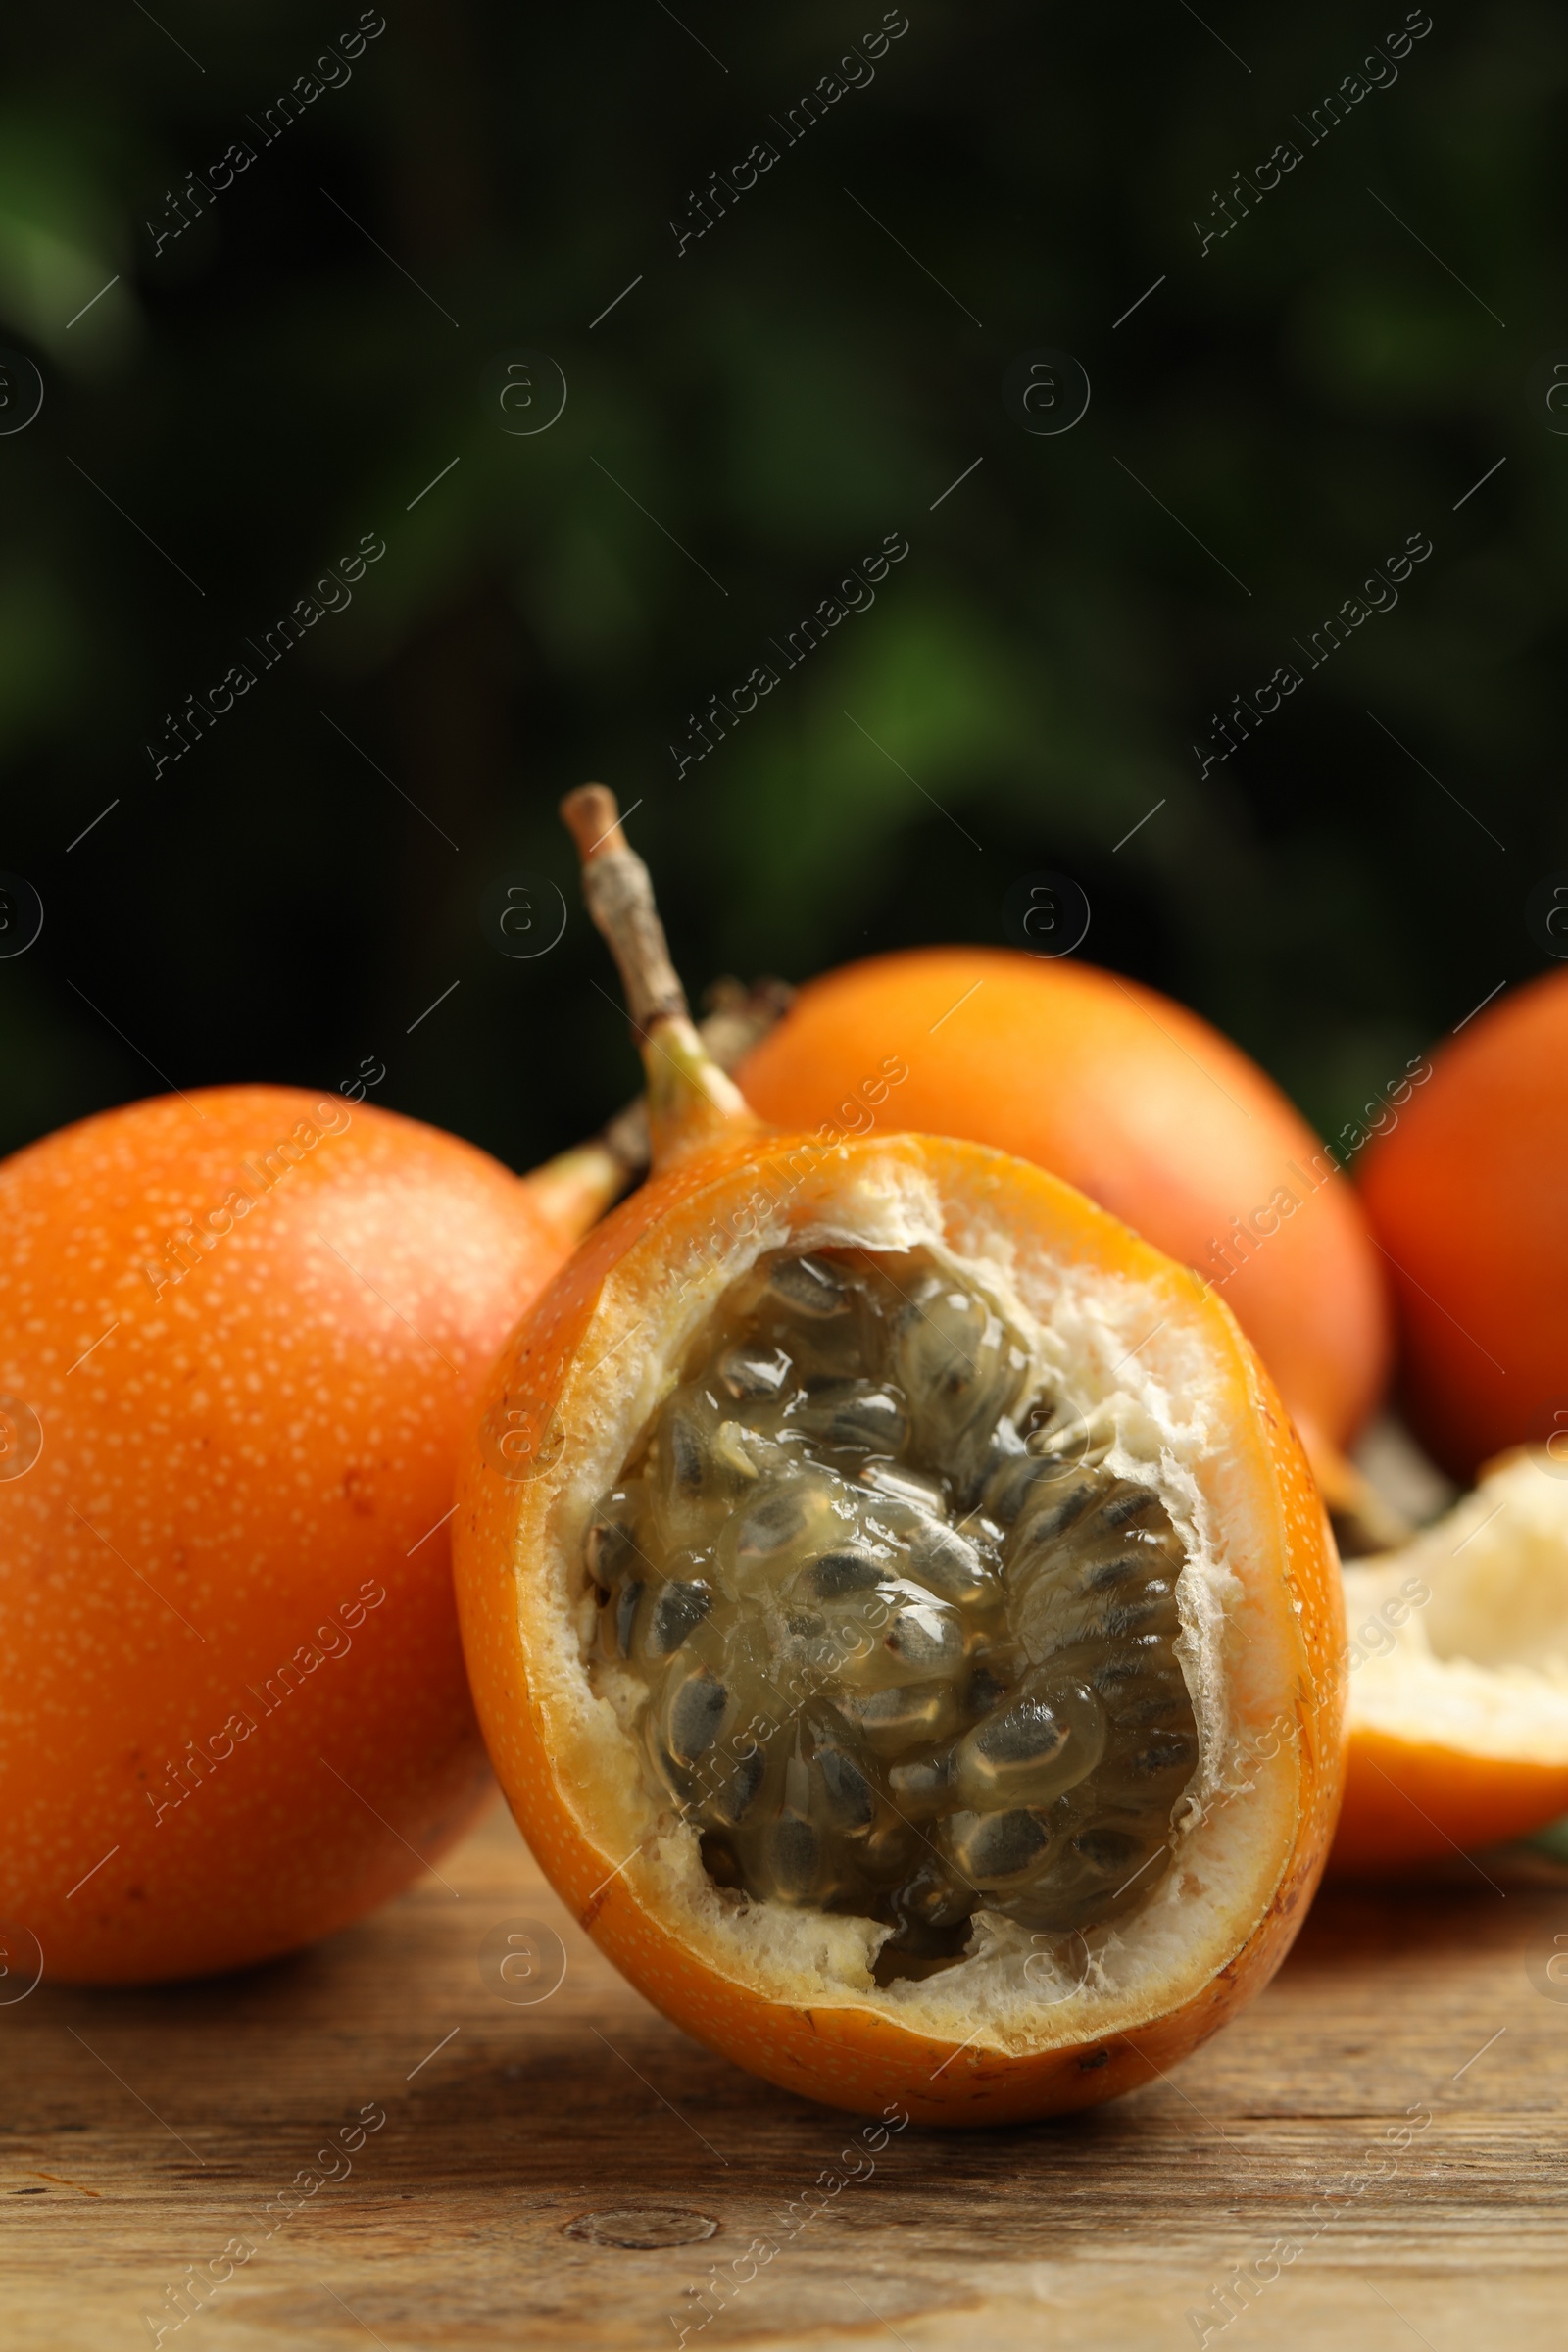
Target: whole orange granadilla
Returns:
[[240, 1331], [1138, 1102], [1468, 1196]]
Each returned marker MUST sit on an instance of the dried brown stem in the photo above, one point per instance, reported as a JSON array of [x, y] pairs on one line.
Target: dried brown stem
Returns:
[[690, 1100], [619, 894]]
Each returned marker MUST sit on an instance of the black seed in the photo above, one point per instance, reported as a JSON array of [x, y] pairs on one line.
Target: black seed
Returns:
[[853, 1415], [625, 1616], [1108, 1851], [734, 1795], [1157, 1758], [1139, 1670], [1133, 1706], [852, 1803], [1045, 1508], [838, 1573], [1038, 1503], [898, 1717], [955, 1365], [925, 1636], [985, 1688], [695, 1717], [610, 1547], [1122, 1506], [750, 1372], [1103, 1576], [1102, 1870], [873, 1424], [810, 1288], [1012, 1482], [1028, 1733], [678, 1608], [939, 1556], [996, 1846], [1153, 1703], [1129, 1617], [1155, 1598], [773, 1521], [795, 1851], [685, 1451]]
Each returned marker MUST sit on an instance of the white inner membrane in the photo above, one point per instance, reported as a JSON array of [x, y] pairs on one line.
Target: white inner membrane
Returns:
[[1461, 1639]]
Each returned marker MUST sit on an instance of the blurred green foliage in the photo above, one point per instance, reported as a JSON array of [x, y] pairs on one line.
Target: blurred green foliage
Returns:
[[285, 375]]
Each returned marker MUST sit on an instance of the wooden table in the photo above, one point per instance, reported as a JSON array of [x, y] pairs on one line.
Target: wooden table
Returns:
[[145, 2130]]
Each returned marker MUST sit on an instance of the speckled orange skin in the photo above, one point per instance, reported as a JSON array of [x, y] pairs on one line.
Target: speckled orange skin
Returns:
[[1136, 1101], [253, 1453], [1466, 1195], [848, 2057], [1406, 1803]]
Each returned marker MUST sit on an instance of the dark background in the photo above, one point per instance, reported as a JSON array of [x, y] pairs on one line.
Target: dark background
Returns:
[[269, 387]]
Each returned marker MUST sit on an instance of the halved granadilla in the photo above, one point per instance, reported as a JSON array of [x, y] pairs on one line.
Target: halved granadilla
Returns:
[[899, 1610]]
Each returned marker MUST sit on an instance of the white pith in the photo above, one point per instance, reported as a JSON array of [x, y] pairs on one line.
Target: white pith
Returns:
[[1482, 1667], [1097, 1339]]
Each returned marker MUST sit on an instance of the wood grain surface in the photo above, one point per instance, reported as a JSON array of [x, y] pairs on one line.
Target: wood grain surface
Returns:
[[144, 2132]]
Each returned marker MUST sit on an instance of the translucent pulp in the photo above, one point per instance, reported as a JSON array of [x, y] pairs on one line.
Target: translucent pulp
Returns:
[[907, 1644]]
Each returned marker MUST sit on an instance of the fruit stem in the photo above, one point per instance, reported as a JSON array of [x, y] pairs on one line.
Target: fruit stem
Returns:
[[691, 1103], [575, 1188]]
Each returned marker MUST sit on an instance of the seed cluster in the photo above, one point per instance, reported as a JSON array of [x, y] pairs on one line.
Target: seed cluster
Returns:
[[907, 1643]]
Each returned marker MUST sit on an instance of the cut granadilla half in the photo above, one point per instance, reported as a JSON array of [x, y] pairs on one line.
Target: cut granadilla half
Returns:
[[899, 1610], [1459, 1676]]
